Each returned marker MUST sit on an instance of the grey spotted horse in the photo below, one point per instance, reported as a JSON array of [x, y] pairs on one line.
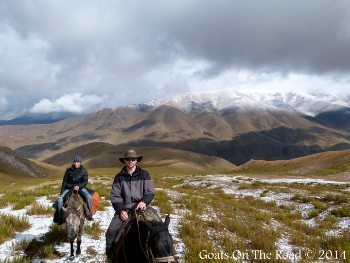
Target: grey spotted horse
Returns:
[[73, 215]]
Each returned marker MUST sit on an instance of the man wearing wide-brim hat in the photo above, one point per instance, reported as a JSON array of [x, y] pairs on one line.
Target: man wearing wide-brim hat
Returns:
[[132, 189], [130, 154]]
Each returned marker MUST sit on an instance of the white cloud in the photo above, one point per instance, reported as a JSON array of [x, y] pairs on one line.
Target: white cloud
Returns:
[[75, 103], [269, 82]]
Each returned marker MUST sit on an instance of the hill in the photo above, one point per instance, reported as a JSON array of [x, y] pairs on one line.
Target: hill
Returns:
[[104, 155], [13, 164], [326, 163]]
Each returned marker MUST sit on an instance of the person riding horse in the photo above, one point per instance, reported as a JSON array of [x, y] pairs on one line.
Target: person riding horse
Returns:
[[132, 189], [75, 178]]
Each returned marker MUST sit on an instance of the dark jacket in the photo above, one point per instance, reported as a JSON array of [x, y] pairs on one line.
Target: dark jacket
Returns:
[[127, 191], [74, 177]]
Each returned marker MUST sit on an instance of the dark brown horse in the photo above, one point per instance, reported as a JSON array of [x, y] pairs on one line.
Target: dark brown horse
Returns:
[[146, 241], [73, 213]]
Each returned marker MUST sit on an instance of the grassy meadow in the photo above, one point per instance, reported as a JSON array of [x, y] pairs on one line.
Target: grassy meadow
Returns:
[[219, 214]]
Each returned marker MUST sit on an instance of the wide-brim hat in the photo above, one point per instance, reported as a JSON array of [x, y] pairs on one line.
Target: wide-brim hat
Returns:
[[130, 154]]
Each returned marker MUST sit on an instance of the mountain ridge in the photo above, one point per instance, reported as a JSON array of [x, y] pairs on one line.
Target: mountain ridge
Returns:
[[233, 132]]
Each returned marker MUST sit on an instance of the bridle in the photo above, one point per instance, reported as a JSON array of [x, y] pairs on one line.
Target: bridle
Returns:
[[148, 253]]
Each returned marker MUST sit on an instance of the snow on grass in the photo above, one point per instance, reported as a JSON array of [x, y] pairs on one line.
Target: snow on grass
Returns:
[[344, 223], [301, 181], [88, 243], [39, 226], [229, 184], [287, 249], [44, 202]]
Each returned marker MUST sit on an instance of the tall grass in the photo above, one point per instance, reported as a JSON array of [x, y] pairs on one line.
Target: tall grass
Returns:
[[17, 259], [94, 230], [343, 211], [162, 200], [10, 224], [39, 209], [45, 247]]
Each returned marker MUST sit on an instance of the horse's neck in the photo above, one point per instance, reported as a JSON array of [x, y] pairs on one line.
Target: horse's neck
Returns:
[[75, 201]]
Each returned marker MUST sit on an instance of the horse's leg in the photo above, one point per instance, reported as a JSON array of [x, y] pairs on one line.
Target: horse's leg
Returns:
[[80, 233], [71, 249], [78, 247]]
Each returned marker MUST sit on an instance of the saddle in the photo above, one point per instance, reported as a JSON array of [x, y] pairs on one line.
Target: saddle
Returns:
[[85, 205], [58, 218]]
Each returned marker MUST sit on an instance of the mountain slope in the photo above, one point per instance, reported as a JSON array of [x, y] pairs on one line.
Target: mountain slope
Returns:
[[102, 155], [306, 104], [13, 164], [166, 123], [338, 119], [236, 126], [326, 163]]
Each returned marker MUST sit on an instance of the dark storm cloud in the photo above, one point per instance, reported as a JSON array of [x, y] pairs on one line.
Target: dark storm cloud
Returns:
[[131, 51], [309, 36]]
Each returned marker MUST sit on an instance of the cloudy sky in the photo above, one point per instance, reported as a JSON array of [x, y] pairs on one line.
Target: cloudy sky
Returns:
[[82, 55]]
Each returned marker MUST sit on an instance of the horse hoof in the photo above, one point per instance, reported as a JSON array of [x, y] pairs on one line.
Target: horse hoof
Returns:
[[78, 252]]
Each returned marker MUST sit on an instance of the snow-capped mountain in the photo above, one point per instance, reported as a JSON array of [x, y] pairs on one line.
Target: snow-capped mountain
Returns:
[[305, 104]]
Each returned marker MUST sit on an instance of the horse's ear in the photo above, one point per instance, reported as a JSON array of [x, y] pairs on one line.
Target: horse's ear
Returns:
[[148, 224], [167, 220]]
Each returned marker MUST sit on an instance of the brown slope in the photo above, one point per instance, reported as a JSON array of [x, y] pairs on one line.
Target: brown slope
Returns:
[[166, 123], [13, 164], [258, 121], [326, 163], [243, 121], [102, 155], [41, 141], [214, 125]]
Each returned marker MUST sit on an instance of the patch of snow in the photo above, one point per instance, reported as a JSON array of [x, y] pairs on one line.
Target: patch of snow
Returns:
[[174, 231], [8, 211], [304, 209], [311, 222], [283, 245], [344, 223], [44, 201], [300, 181], [333, 232]]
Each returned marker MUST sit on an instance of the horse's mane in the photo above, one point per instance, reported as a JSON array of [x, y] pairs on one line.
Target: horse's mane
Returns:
[[150, 214], [74, 201]]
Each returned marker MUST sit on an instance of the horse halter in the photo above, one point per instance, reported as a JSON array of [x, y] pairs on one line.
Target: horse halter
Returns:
[[168, 259]]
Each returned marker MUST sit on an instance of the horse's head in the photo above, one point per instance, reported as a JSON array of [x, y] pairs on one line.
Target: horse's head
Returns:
[[74, 214], [160, 241]]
